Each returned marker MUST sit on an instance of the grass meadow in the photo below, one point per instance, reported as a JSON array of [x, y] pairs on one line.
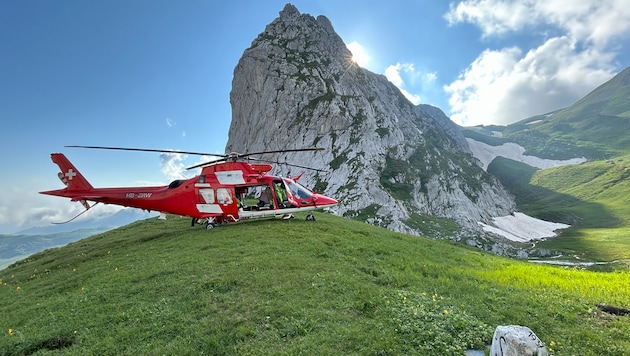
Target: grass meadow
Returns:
[[275, 287]]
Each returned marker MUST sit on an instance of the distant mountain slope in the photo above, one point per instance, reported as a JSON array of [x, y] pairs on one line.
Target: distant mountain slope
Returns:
[[596, 127], [19, 246], [587, 195], [591, 196], [14, 247], [119, 218]]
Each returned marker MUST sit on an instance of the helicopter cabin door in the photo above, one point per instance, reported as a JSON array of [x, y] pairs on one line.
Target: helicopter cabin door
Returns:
[[206, 197], [219, 199], [298, 194], [284, 196]]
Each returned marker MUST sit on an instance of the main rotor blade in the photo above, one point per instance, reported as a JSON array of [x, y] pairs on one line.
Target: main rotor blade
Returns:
[[299, 166], [235, 155], [224, 157], [285, 164], [151, 150], [207, 163], [282, 151]]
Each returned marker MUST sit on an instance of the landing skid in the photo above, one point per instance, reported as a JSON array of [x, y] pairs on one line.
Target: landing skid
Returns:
[[211, 223]]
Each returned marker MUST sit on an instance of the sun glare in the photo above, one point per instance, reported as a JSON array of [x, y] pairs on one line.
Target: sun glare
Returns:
[[358, 54]]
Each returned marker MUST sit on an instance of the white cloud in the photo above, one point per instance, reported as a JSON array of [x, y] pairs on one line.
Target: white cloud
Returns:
[[506, 85], [23, 209], [170, 122], [172, 165], [395, 73], [594, 21], [492, 16]]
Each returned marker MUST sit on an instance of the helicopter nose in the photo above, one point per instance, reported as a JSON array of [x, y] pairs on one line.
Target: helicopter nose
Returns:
[[322, 200]]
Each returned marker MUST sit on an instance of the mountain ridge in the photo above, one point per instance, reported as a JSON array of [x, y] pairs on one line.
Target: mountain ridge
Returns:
[[387, 160], [594, 127]]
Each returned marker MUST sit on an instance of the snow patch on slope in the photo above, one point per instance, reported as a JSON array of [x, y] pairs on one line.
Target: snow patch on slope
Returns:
[[522, 228], [518, 227], [487, 153]]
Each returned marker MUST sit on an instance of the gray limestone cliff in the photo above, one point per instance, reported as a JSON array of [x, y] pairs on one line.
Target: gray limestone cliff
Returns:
[[387, 161]]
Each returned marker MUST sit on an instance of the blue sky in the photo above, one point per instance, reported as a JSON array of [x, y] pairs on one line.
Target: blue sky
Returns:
[[157, 74]]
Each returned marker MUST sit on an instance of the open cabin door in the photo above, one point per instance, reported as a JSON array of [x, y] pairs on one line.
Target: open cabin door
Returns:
[[285, 197], [300, 195]]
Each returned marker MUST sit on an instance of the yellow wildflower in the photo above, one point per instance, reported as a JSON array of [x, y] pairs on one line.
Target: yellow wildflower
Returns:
[[10, 332], [445, 312]]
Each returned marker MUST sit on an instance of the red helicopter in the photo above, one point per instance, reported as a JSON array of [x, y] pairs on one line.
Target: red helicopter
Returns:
[[227, 190]]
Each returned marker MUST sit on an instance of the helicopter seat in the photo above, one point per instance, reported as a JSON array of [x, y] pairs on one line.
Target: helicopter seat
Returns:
[[263, 200]]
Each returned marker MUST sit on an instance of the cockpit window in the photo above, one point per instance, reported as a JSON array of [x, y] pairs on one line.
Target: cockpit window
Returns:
[[176, 183], [298, 190]]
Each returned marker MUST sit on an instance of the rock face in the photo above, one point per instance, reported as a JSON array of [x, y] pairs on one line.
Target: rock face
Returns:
[[516, 340], [386, 160]]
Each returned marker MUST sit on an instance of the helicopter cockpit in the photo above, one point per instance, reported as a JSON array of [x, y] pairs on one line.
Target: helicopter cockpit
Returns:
[[298, 190]]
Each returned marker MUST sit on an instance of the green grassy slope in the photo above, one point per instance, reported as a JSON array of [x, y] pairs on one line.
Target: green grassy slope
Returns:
[[592, 197], [288, 287]]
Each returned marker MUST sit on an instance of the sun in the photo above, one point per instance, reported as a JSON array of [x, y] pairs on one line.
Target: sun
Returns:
[[358, 54]]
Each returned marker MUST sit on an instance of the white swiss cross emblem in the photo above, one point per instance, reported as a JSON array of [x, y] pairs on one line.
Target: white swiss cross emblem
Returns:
[[70, 174]]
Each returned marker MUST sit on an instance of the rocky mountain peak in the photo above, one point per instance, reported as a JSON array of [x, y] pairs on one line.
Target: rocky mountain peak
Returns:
[[289, 11], [387, 161]]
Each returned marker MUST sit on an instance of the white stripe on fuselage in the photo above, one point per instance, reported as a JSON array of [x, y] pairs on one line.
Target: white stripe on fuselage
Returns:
[[210, 208], [256, 214]]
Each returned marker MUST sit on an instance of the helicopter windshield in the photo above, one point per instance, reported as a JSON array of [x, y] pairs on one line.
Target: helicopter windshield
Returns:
[[298, 190]]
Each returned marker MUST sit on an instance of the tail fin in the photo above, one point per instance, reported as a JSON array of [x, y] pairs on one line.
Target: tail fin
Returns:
[[69, 175]]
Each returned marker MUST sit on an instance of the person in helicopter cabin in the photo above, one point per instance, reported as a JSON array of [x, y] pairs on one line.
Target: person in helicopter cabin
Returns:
[[281, 194]]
